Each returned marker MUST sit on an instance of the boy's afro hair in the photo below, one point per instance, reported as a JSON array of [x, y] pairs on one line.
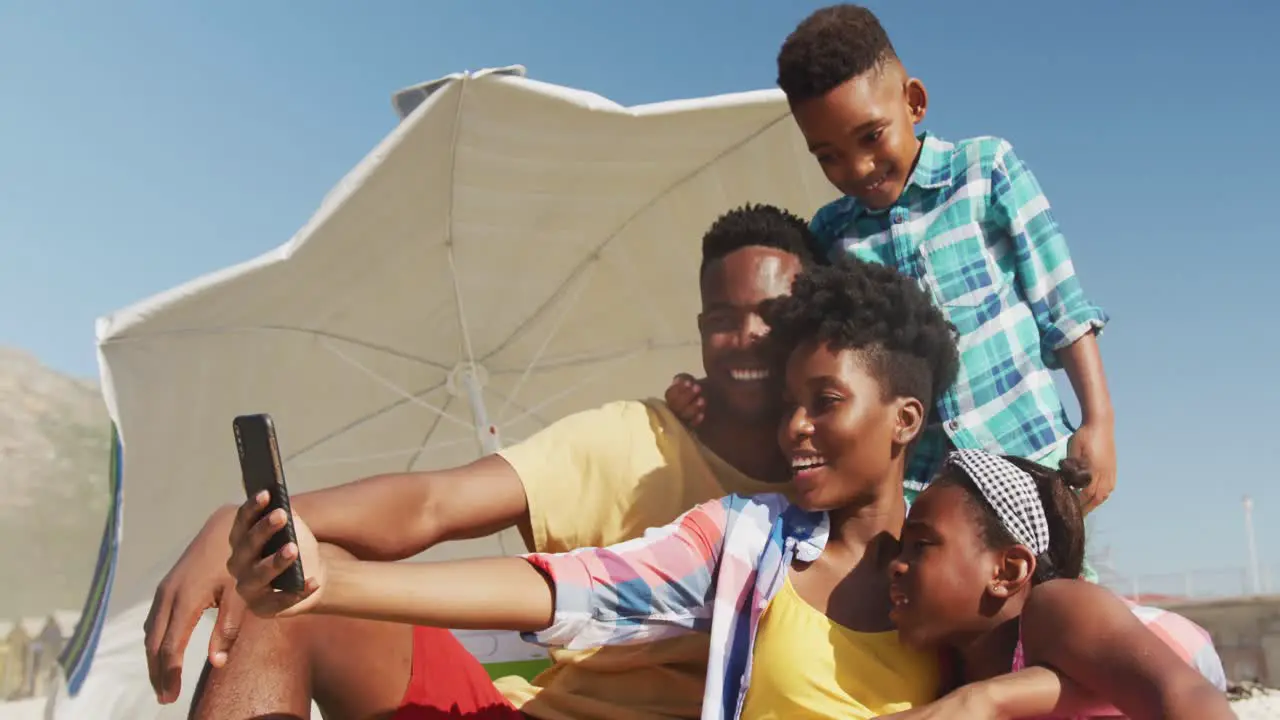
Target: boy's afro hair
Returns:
[[757, 226], [873, 309], [828, 48]]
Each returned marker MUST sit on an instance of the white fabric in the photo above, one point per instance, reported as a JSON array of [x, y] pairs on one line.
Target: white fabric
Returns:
[[545, 234], [31, 709], [1011, 492]]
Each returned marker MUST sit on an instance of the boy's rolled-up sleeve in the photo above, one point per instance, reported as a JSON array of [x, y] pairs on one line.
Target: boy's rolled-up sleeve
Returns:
[[656, 586], [1042, 261]]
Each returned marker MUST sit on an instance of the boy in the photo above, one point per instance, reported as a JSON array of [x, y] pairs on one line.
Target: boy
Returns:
[[969, 222]]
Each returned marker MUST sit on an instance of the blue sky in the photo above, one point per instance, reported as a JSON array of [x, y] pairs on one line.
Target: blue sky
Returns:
[[145, 143]]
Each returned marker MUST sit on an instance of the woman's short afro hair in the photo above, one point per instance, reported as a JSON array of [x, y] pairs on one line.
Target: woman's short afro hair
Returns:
[[873, 309], [830, 47]]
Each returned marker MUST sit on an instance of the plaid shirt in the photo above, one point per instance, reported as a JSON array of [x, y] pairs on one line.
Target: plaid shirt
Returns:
[[713, 570], [975, 229]]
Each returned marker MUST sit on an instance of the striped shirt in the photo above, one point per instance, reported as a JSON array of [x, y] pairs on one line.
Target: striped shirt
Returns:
[[712, 570], [974, 228]]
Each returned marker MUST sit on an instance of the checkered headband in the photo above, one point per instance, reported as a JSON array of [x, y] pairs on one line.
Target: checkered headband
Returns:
[[1011, 492]]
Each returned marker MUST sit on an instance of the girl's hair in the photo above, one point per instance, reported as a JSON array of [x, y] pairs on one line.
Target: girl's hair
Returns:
[[1062, 510]]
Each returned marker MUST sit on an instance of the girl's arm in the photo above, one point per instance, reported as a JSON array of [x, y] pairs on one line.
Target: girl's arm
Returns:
[[1091, 637], [659, 585], [1030, 692]]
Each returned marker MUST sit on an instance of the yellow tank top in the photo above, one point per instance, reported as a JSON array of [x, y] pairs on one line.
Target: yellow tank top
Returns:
[[807, 666]]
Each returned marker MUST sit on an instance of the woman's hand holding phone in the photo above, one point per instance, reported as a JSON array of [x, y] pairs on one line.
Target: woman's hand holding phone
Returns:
[[253, 572]]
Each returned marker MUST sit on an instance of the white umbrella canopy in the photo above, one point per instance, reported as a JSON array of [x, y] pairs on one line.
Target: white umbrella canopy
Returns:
[[512, 252]]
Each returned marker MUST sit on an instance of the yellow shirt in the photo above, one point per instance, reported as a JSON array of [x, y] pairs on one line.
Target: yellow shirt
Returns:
[[805, 665], [598, 478]]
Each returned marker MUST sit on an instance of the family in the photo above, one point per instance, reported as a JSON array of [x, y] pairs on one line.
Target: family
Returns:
[[871, 504]]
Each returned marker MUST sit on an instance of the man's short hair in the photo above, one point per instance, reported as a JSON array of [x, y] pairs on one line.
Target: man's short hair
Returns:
[[756, 226]]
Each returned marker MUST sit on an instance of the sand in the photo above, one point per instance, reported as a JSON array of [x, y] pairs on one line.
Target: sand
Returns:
[[1255, 703]]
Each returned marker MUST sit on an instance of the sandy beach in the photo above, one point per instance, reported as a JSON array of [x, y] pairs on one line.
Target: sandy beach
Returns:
[[1254, 703]]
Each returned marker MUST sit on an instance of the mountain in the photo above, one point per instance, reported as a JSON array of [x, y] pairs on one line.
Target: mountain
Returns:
[[55, 440]]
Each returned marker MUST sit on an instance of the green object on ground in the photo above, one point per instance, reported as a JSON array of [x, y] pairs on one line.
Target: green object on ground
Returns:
[[527, 669]]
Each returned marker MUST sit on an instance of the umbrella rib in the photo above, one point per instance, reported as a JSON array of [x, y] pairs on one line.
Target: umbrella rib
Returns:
[[422, 446], [324, 462], [594, 255], [508, 401], [397, 389], [453, 268], [580, 360], [323, 334], [645, 294], [360, 421], [533, 363], [532, 412], [462, 314]]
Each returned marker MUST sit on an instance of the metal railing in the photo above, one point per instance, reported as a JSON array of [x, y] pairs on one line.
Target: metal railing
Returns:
[[1205, 583]]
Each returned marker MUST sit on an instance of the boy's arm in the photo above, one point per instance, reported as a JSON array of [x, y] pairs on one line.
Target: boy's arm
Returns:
[[1088, 635], [686, 401], [1042, 262], [1069, 323], [1094, 441]]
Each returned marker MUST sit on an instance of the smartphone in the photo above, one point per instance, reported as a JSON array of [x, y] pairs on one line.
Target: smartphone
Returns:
[[261, 469]]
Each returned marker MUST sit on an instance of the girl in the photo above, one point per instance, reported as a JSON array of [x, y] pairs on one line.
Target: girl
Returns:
[[989, 569]]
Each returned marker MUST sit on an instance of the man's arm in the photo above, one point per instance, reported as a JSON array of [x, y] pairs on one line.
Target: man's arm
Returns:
[[396, 516], [386, 517], [391, 517]]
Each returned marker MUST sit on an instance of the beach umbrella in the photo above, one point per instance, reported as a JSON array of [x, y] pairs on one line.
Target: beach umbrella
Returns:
[[511, 252]]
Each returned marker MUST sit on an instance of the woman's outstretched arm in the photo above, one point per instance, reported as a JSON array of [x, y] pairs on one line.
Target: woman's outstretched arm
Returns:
[[655, 586], [506, 593]]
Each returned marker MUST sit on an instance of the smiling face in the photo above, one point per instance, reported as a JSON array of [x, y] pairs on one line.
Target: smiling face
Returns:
[[862, 133], [948, 581], [844, 435], [741, 365], [943, 570]]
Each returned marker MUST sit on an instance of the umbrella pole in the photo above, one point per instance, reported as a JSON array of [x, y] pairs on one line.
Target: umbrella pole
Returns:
[[486, 432]]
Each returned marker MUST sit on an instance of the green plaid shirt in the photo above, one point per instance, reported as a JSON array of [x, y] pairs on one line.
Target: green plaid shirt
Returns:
[[975, 229]]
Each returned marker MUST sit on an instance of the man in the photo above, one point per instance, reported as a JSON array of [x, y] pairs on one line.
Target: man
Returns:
[[594, 478]]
